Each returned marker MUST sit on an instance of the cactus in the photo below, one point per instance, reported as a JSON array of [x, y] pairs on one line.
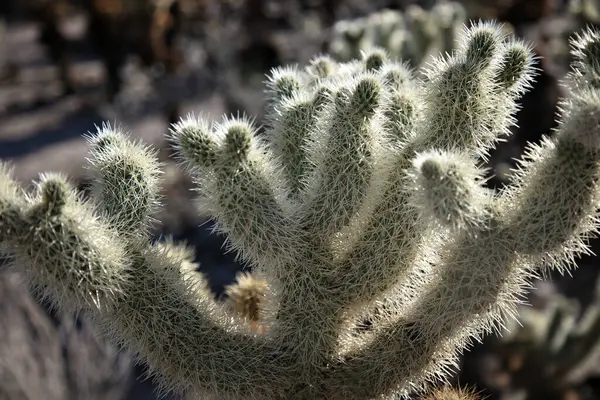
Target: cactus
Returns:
[[585, 10], [362, 197], [551, 350], [39, 360], [449, 393], [246, 297], [415, 35]]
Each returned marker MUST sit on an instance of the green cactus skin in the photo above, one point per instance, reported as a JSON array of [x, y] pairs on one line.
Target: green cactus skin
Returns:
[[361, 199]]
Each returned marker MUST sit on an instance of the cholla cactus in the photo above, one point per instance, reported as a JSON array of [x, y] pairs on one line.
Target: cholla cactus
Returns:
[[41, 361], [586, 10], [246, 297], [416, 35], [362, 198], [551, 349], [449, 393]]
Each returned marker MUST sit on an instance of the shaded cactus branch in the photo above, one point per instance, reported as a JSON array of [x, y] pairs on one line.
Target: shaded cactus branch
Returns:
[[125, 180], [39, 360]]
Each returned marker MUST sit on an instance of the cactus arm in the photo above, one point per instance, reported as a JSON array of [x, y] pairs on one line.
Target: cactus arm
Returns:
[[470, 97], [188, 340], [125, 180], [402, 105], [292, 116], [72, 254], [290, 134], [239, 186], [282, 82], [319, 69], [516, 70], [343, 158], [446, 189], [400, 110], [551, 208], [554, 201], [12, 206]]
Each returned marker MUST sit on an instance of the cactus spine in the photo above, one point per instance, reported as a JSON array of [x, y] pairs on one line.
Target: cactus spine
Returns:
[[363, 197]]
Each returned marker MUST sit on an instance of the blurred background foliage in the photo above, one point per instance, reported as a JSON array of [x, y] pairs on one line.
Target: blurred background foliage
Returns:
[[66, 65]]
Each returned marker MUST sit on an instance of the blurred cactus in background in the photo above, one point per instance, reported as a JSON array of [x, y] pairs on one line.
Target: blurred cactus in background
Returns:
[[549, 351], [587, 11], [415, 35], [363, 197], [555, 37], [41, 361]]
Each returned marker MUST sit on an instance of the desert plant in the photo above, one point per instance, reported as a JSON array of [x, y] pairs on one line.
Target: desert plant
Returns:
[[449, 393], [548, 354], [41, 361], [587, 11], [415, 35], [362, 197]]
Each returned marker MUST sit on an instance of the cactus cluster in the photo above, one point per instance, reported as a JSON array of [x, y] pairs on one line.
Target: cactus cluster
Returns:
[[554, 347], [415, 35], [586, 10], [54, 360], [362, 197]]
